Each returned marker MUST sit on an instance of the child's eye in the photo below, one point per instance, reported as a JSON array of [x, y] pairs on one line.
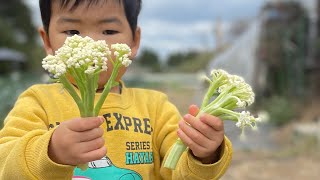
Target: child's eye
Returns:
[[110, 32], [72, 32]]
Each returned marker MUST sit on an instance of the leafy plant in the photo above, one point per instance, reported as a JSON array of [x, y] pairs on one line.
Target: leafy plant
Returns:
[[281, 110]]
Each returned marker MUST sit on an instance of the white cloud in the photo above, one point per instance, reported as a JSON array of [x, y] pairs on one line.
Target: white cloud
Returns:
[[188, 24], [171, 36], [156, 28], [190, 10], [173, 25]]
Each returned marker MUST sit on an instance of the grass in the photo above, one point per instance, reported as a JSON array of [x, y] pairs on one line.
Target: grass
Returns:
[[196, 64], [282, 110]]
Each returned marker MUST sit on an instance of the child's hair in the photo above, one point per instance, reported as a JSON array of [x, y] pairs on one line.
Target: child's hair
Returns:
[[132, 9]]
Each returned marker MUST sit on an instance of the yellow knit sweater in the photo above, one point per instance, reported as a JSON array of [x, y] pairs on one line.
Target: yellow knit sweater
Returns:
[[140, 127]]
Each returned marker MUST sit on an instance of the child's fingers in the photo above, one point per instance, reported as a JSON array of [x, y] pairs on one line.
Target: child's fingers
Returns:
[[212, 121], [193, 110], [90, 134], [91, 145], [196, 148], [204, 128], [193, 134], [84, 124], [93, 155]]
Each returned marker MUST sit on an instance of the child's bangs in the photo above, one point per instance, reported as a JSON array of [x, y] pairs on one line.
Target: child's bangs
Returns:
[[73, 4]]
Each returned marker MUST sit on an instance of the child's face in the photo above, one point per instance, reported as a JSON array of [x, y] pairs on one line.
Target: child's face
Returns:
[[103, 21]]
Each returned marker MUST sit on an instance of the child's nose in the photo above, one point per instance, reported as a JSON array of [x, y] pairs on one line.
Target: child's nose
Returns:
[[95, 36]]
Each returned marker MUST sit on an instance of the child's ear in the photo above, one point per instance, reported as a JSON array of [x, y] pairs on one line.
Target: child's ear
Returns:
[[46, 41], [136, 43]]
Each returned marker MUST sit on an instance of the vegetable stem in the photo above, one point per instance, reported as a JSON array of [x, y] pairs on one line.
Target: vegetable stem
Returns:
[[178, 148], [106, 89]]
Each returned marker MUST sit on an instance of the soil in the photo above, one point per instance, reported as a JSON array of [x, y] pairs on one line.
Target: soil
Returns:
[[268, 165], [288, 157]]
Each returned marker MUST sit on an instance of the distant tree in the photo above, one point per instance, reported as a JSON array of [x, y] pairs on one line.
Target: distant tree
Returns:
[[18, 32], [282, 47], [18, 17], [7, 38], [150, 59], [176, 59]]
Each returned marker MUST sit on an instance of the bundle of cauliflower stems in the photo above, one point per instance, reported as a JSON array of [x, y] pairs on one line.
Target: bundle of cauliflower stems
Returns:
[[83, 59], [226, 95]]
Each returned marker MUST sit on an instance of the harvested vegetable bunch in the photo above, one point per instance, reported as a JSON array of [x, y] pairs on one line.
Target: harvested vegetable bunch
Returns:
[[83, 59], [226, 94]]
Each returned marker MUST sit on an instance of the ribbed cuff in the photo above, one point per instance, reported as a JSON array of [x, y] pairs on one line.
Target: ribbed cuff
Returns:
[[212, 171]]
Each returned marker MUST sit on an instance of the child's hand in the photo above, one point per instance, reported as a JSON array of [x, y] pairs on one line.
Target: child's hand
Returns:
[[203, 136], [77, 141]]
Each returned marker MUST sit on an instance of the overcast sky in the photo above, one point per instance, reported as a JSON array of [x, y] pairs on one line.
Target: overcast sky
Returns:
[[180, 25]]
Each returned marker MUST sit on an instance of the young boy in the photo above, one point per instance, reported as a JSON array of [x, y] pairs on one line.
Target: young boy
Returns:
[[44, 138]]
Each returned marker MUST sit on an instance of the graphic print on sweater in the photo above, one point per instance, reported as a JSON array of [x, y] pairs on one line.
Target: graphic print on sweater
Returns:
[[104, 169]]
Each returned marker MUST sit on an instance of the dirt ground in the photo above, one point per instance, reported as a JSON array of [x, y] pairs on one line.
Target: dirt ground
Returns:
[[269, 165], [295, 158]]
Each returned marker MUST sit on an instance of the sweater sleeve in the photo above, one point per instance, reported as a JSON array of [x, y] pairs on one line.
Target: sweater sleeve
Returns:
[[24, 142], [188, 167]]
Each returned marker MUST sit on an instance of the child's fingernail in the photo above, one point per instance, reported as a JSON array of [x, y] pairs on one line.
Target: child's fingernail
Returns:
[[178, 132], [187, 116]]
